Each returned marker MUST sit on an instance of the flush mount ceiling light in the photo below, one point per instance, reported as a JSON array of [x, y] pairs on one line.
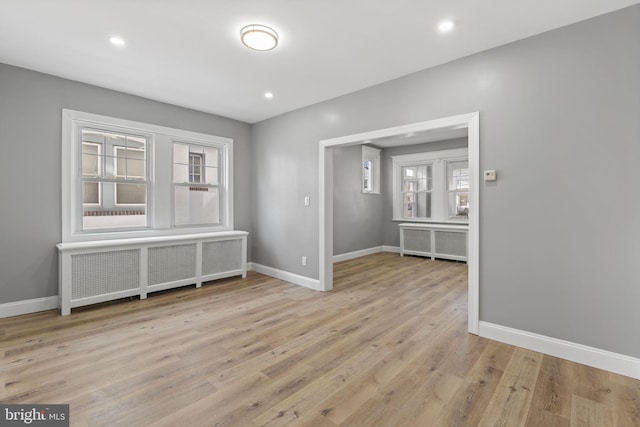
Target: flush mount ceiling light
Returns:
[[259, 37], [446, 26], [116, 41], [268, 95]]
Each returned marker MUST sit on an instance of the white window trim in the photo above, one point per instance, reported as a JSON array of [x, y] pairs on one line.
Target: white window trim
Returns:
[[440, 193], [448, 191], [72, 120], [373, 155]]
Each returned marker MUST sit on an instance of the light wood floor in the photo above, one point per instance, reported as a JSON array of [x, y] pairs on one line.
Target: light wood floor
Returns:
[[387, 347]]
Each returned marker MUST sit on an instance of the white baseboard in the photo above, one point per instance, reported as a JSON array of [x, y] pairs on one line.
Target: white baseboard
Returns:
[[357, 254], [296, 279], [597, 358], [365, 252], [393, 249], [28, 306]]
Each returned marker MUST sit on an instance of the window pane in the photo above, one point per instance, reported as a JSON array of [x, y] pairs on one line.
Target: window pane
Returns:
[[410, 185], [458, 174], [196, 205], [136, 142], [417, 205], [94, 220], [91, 193], [113, 139], [409, 172], [424, 177], [409, 205], [130, 194], [135, 168], [129, 163], [181, 154], [211, 157], [211, 176], [195, 168], [459, 204], [91, 159], [181, 173], [423, 205], [366, 175]]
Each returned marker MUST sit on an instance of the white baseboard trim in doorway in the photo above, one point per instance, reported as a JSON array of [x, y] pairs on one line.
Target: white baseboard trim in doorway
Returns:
[[28, 306], [364, 252], [590, 356], [296, 279]]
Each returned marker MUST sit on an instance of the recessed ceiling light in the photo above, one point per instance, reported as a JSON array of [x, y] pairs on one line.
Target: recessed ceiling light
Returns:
[[268, 95], [116, 41], [446, 26], [259, 37]]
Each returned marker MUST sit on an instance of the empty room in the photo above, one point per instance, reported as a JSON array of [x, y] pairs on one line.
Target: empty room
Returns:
[[319, 213]]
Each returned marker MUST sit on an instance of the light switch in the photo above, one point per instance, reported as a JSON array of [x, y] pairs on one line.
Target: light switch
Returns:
[[307, 201], [490, 175]]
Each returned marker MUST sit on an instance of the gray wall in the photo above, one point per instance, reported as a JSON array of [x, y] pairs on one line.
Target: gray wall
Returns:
[[31, 106], [388, 227], [559, 122], [357, 217]]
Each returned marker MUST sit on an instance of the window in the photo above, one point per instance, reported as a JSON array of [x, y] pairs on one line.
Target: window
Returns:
[[195, 167], [458, 189], [196, 188], [129, 179], [370, 170], [114, 188], [431, 186], [417, 186]]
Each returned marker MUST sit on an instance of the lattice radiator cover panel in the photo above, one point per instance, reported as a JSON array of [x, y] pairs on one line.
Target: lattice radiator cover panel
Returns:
[[171, 263], [104, 272], [221, 256], [417, 240], [450, 243]]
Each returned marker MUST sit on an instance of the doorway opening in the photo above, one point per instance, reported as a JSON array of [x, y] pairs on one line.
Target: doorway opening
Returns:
[[470, 122]]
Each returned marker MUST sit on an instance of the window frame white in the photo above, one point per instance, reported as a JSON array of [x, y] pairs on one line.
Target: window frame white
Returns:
[[220, 186], [455, 191], [439, 194], [159, 198], [104, 177], [372, 155], [99, 164]]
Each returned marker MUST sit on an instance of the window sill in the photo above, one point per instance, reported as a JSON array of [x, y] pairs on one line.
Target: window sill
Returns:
[[430, 221], [95, 243], [144, 233]]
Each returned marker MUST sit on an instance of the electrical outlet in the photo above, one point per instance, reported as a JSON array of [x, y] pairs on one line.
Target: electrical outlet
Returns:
[[304, 260]]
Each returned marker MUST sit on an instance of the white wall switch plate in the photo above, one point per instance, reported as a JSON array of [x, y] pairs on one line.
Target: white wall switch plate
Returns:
[[304, 260], [307, 201]]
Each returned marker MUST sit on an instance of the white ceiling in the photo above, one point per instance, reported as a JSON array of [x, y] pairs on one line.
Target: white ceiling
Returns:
[[188, 52]]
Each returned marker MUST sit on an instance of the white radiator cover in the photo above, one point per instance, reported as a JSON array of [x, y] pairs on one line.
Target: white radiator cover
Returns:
[[434, 240], [98, 271]]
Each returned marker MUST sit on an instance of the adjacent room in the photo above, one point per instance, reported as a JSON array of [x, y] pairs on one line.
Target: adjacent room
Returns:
[[306, 213]]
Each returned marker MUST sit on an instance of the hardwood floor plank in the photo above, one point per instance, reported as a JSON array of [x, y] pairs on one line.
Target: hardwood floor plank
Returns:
[[510, 404]]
